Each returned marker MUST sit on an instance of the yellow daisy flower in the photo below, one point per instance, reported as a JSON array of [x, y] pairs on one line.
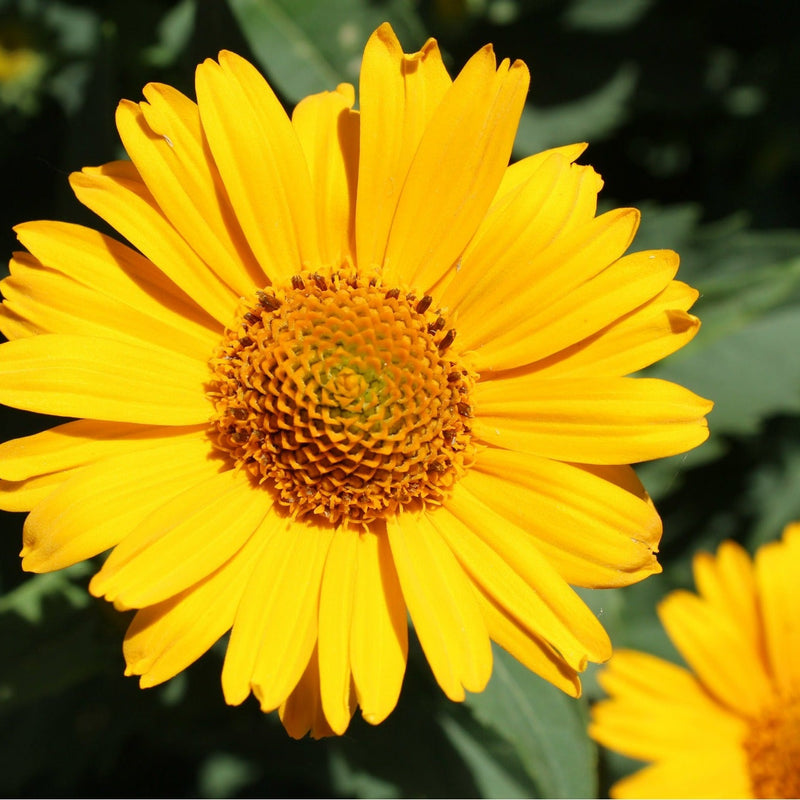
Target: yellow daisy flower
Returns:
[[731, 727], [357, 366]]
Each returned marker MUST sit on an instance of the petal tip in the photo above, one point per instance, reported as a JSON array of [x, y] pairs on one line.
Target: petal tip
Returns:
[[374, 717], [385, 34], [31, 564], [97, 587], [127, 105], [430, 49]]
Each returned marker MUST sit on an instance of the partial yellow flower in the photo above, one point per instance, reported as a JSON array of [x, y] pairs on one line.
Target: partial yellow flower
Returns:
[[16, 62], [22, 65], [730, 727], [357, 367]]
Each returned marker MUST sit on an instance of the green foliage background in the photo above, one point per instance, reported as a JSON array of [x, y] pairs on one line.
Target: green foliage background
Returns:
[[691, 108]]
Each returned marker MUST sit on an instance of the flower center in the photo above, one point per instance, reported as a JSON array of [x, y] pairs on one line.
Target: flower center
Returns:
[[773, 750], [344, 397]]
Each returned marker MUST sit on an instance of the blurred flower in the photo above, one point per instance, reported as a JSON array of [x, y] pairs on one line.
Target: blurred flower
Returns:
[[15, 60], [358, 367], [451, 10], [22, 66], [731, 729]]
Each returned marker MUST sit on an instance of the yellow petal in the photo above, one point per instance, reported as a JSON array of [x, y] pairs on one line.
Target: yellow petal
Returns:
[[33, 466], [585, 310], [183, 540], [116, 193], [165, 142], [522, 223], [711, 772], [636, 340], [55, 303], [103, 379], [714, 647], [520, 172], [291, 616], [124, 489], [728, 583], [595, 532], [397, 95], [24, 495], [111, 268], [379, 643], [13, 326], [73, 445], [245, 638], [261, 163], [777, 570], [276, 625], [658, 710], [531, 283], [328, 131], [508, 567], [165, 638], [456, 170], [302, 711], [443, 605], [528, 649], [335, 623], [590, 420]]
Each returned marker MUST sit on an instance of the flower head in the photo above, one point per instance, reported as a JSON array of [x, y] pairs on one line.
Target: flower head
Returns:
[[356, 367], [731, 726], [23, 65]]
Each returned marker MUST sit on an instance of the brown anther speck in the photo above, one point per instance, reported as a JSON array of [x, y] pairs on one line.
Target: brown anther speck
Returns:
[[394, 293], [252, 318], [464, 409], [447, 339], [297, 282], [268, 301], [436, 325], [424, 304], [320, 281]]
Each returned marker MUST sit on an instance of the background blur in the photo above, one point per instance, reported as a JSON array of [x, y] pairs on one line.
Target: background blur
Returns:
[[691, 108]]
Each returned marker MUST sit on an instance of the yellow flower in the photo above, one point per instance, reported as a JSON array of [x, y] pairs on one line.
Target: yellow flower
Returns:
[[358, 367], [22, 65], [731, 729], [16, 62]]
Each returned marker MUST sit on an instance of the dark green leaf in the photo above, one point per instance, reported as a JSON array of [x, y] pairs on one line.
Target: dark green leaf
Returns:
[[750, 374], [174, 32], [53, 637], [545, 727], [492, 760], [307, 47], [589, 118], [604, 15]]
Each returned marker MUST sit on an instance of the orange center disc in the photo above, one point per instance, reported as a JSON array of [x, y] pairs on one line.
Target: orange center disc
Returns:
[[773, 751], [343, 396]]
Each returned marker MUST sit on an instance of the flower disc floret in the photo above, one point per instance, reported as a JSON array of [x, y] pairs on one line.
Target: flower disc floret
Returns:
[[344, 396], [772, 746]]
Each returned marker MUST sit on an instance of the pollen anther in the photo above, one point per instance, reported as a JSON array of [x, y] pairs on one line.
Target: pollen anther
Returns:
[[447, 339], [268, 301], [424, 304]]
